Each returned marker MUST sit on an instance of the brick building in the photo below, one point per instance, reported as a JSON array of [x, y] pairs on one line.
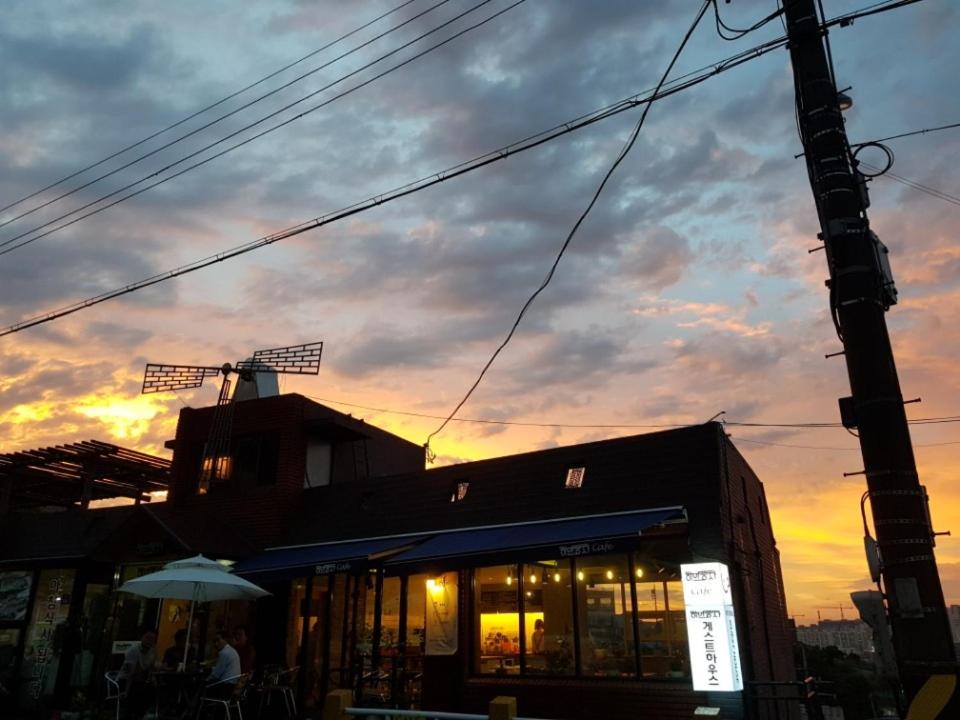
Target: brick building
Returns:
[[555, 576], [559, 578]]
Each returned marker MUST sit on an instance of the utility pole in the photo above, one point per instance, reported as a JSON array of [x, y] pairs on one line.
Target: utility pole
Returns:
[[861, 291]]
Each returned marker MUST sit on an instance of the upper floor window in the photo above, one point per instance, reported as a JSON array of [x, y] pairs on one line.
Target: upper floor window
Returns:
[[575, 478], [252, 462], [459, 491]]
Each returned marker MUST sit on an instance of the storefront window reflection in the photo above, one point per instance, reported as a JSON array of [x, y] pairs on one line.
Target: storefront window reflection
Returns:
[[548, 618], [662, 627], [416, 617], [390, 617], [498, 620], [8, 656], [605, 607]]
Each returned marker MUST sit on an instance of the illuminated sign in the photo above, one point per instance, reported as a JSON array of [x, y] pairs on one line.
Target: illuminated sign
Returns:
[[711, 627], [441, 626]]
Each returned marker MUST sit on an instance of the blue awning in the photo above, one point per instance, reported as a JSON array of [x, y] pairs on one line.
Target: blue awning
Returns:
[[569, 537], [321, 559]]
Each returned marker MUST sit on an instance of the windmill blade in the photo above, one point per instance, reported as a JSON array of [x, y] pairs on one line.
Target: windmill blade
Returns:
[[165, 378], [296, 360]]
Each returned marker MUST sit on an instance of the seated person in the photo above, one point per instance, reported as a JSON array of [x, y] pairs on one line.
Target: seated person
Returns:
[[246, 651], [174, 654], [138, 663], [222, 680]]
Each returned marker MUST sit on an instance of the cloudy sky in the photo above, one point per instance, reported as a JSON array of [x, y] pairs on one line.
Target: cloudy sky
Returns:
[[688, 291]]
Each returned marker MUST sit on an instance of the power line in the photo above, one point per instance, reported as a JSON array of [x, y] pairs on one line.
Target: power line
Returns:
[[682, 83], [576, 226], [611, 426], [740, 33], [952, 199], [913, 132], [96, 211], [514, 423], [208, 107], [208, 125], [256, 136], [836, 449], [875, 9]]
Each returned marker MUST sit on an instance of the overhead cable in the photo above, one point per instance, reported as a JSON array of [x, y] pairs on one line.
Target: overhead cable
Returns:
[[682, 83], [209, 107], [912, 133], [576, 226], [10, 248], [95, 211], [601, 426], [210, 124], [739, 33]]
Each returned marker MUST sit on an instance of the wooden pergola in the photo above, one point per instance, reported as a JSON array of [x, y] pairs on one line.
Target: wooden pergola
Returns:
[[75, 474]]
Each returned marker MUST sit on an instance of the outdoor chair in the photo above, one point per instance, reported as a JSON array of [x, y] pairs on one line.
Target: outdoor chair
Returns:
[[114, 691], [231, 702], [282, 683]]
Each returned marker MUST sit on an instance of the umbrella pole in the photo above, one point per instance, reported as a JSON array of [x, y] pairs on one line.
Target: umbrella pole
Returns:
[[186, 648]]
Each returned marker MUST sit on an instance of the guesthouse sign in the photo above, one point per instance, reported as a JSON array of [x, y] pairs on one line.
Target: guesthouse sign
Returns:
[[711, 627]]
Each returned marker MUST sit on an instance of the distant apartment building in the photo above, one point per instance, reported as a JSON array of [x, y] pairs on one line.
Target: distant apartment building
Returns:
[[954, 614], [850, 636]]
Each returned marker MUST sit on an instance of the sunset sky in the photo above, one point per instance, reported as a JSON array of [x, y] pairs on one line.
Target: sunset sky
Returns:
[[689, 290]]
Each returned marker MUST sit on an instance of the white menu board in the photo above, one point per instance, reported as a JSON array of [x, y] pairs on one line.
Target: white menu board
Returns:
[[711, 627], [441, 629]]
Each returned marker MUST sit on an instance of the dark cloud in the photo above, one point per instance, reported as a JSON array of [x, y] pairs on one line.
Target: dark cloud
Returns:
[[657, 258], [79, 61], [55, 380]]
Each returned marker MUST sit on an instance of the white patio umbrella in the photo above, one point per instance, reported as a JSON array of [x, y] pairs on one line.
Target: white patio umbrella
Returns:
[[197, 579]]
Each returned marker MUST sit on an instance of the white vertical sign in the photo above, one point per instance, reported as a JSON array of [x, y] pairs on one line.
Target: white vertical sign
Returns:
[[441, 626], [711, 627]]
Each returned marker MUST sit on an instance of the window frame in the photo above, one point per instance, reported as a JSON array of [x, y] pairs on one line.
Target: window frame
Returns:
[[578, 676]]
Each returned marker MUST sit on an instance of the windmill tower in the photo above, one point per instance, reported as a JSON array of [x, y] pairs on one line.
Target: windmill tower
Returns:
[[253, 374]]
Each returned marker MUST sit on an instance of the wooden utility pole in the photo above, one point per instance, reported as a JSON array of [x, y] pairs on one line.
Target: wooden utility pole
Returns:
[[861, 291]]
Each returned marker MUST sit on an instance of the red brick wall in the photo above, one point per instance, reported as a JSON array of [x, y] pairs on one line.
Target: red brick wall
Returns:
[[758, 581], [264, 513]]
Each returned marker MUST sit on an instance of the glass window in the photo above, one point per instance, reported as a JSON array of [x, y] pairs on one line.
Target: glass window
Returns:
[[498, 620], [312, 672], [93, 620], [416, 614], [298, 610], [8, 655], [663, 633], [15, 595], [548, 618], [605, 608], [390, 617]]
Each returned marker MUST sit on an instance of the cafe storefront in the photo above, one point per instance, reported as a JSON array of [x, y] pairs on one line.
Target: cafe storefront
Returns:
[[582, 600], [62, 621], [408, 620]]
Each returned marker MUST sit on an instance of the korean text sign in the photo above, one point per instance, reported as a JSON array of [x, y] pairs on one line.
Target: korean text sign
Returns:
[[711, 627]]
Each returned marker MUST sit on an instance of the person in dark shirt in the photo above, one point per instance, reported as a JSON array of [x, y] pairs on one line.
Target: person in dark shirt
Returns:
[[246, 651], [174, 654]]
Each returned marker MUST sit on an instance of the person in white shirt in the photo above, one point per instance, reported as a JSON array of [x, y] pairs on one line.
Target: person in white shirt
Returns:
[[138, 663], [222, 680]]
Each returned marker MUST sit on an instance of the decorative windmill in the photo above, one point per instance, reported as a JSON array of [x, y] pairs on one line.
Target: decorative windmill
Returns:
[[293, 360]]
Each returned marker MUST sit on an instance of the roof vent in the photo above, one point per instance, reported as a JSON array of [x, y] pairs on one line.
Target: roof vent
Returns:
[[459, 491], [575, 478]]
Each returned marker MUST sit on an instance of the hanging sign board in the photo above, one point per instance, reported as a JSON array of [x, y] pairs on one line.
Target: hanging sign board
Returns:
[[711, 627], [441, 626]]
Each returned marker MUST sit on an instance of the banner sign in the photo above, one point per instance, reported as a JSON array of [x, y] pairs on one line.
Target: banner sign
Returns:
[[441, 629], [711, 627]]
